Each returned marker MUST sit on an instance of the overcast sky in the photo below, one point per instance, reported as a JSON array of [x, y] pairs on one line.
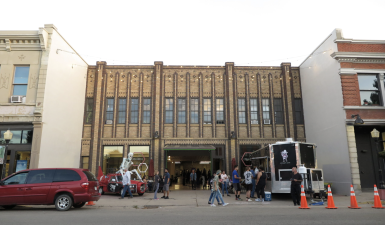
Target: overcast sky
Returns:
[[208, 32]]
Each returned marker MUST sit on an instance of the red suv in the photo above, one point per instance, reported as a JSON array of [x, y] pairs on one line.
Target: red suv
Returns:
[[64, 188]]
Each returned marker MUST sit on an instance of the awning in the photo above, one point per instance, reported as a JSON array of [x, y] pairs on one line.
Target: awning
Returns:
[[189, 147]]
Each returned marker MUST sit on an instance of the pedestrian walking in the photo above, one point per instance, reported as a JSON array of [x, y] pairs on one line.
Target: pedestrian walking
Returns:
[[253, 181], [203, 182], [126, 184], [193, 179], [166, 184], [216, 190], [225, 183], [261, 184], [156, 184], [236, 184], [248, 181], [295, 188]]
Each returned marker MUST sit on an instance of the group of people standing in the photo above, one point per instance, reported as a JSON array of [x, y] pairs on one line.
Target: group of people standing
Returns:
[[255, 180]]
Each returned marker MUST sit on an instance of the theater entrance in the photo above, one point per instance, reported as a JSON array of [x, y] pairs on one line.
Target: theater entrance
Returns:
[[182, 159]]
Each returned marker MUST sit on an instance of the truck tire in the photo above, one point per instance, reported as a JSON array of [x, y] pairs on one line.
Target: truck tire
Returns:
[[101, 191], [63, 202]]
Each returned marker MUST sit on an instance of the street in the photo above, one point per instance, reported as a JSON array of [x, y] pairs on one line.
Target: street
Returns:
[[190, 207]]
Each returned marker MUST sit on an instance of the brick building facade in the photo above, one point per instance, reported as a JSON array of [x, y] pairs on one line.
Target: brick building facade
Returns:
[[341, 78], [230, 108]]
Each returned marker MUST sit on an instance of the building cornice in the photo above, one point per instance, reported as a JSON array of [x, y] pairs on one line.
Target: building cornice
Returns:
[[359, 57], [367, 122], [365, 107], [353, 71], [359, 41]]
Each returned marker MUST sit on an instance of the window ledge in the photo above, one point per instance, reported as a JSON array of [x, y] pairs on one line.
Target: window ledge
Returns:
[[280, 125], [220, 125], [16, 104], [108, 125], [87, 125], [364, 107], [181, 125], [168, 125], [243, 125], [194, 124], [120, 125], [133, 125], [255, 125], [146, 124], [207, 125]]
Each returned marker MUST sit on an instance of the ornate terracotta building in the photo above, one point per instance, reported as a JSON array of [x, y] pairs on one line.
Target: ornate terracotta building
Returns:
[[184, 117]]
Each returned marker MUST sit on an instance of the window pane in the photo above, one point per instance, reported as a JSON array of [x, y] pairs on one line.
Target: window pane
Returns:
[[40, 176], [298, 111], [66, 175], [112, 158], [368, 82], [21, 75], [146, 110], [370, 97], [16, 138], [266, 109], [254, 111], [16, 179], [181, 110], [278, 114], [27, 137], [20, 90], [134, 110], [89, 110], [207, 111], [194, 117]]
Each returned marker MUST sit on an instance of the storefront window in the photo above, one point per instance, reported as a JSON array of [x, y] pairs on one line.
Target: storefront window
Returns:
[[112, 158], [19, 137], [22, 160], [139, 153]]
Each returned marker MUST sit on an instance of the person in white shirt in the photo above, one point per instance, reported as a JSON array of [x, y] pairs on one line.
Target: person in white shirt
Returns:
[[225, 182], [126, 184]]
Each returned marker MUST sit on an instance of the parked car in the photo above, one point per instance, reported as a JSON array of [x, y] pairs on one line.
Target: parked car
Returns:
[[113, 183], [64, 188]]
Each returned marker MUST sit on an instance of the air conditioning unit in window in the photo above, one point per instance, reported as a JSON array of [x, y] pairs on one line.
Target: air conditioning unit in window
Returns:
[[16, 99], [108, 121], [266, 121], [254, 121]]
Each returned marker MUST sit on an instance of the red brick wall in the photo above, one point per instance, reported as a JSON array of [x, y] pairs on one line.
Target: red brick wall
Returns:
[[347, 47], [350, 90], [362, 65], [366, 113]]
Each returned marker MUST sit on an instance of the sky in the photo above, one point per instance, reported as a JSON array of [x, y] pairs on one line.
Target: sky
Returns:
[[208, 32]]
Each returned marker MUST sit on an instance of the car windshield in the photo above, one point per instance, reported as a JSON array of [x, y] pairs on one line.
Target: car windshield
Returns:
[[120, 179]]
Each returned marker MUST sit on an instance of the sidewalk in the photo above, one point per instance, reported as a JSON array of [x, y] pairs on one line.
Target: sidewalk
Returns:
[[199, 198]]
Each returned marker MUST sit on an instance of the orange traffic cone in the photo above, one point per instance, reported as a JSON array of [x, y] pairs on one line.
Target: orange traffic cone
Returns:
[[353, 200], [91, 203], [330, 199], [303, 199], [377, 200]]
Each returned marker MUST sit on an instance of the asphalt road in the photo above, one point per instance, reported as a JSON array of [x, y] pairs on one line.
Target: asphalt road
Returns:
[[232, 214]]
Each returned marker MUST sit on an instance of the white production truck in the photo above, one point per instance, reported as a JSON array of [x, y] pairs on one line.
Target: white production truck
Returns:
[[278, 160]]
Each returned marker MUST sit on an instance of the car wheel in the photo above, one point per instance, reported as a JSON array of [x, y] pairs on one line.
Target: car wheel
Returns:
[[101, 191], [140, 194], [9, 206], [63, 202], [79, 205]]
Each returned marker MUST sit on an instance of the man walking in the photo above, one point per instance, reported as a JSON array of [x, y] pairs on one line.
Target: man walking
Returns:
[[166, 184], [236, 184], [126, 184], [248, 182], [216, 190], [296, 180], [193, 179]]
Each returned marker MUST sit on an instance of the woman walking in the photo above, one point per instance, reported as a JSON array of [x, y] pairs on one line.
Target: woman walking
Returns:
[[225, 182], [156, 184], [261, 183]]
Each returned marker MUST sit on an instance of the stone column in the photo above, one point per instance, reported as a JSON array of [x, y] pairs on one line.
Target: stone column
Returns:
[[35, 148], [157, 113], [353, 158]]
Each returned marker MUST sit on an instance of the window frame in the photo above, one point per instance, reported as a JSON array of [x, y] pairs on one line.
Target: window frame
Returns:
[[195, 111], [89, 113], [149, 111], [276, 105], [181, 111], [266, 112], [242, 119], [134, 113], [122, 111], [255, 111], [168, 110], [298, 111], [110, 113], [205, 112], [378, 91], [220, 111], [20, 84]]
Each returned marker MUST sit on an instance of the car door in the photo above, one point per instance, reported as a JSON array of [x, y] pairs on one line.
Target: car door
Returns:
[[12, 189], [38, 186]]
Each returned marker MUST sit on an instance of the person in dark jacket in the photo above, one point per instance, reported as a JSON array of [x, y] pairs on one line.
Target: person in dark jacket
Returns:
[[156, 184], [295, 188]]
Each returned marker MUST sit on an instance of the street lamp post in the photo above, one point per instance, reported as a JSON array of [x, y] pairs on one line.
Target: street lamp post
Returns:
[[7, 137], [375, 135]]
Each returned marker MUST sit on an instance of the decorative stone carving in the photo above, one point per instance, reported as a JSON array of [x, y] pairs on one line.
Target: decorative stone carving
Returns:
[[4, 81]]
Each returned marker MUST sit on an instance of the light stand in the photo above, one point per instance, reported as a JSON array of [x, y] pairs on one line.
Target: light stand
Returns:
[[7, 137]]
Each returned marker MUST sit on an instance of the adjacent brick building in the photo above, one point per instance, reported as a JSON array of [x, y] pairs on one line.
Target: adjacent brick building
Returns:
[[168, 113], [341, 78]]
